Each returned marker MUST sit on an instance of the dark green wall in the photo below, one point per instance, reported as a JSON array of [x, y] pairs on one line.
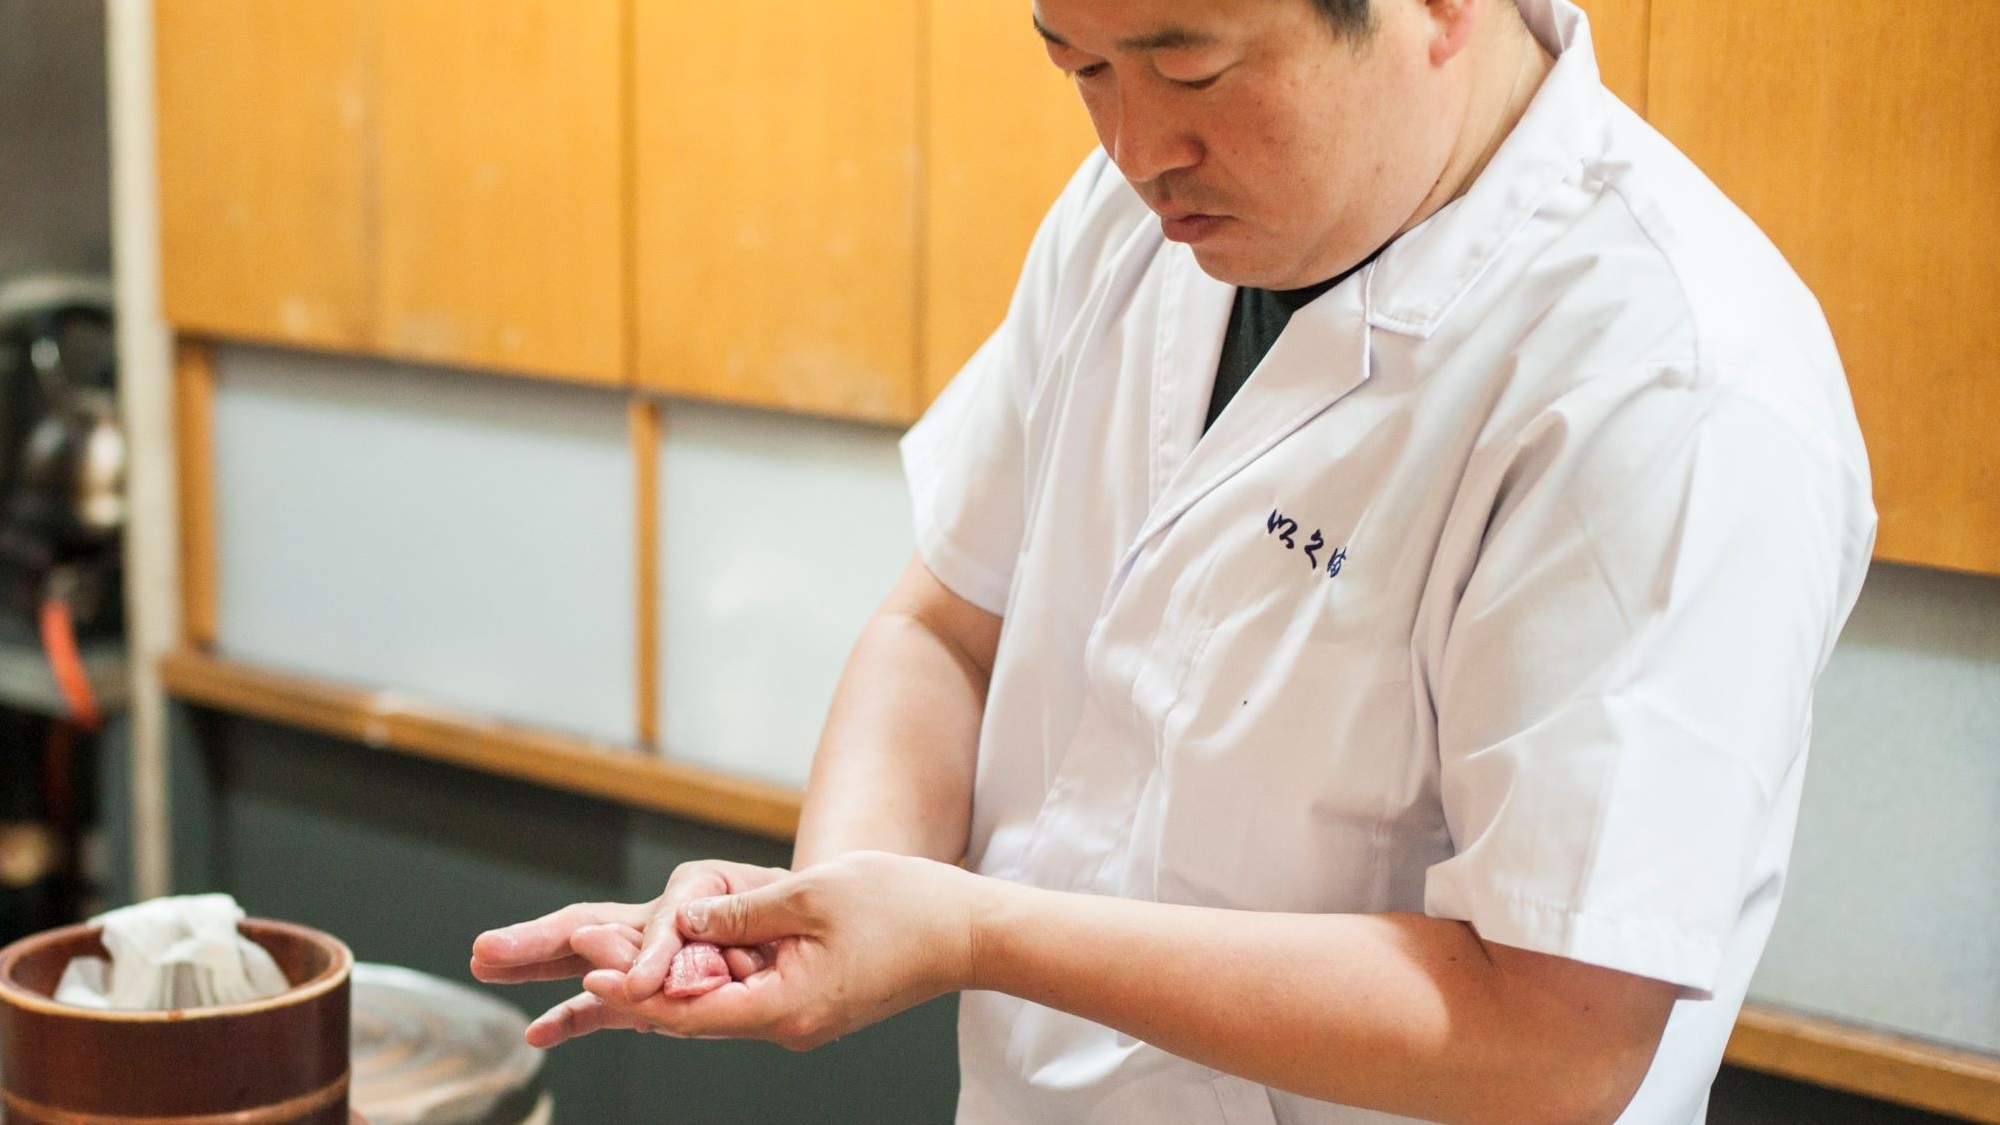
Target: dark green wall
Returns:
[[407, 860]]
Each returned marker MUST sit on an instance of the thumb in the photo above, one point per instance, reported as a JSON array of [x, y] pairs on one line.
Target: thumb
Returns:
[[750, 918]]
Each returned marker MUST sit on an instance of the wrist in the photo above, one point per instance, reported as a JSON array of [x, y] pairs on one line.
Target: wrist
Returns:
[[987, 905]]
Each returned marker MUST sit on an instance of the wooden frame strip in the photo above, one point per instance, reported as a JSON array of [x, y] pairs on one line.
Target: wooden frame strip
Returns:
[[388, 721], [1875, 1064], [194, 450], [645, 415]]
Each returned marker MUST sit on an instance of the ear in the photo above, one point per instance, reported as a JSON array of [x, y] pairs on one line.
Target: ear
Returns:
[[1451, 25]]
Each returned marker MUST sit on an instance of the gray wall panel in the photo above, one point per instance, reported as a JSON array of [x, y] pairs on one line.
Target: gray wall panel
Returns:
[[779, 536], [1895, 887], [461, 539]]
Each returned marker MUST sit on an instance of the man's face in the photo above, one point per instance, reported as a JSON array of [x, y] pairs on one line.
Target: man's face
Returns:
[[1280, 151]]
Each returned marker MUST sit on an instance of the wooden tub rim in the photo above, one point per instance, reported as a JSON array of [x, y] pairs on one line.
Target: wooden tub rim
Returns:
[[333, 976]]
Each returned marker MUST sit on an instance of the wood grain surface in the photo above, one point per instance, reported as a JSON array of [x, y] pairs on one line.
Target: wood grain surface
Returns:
[[387, 721], [264, 110], [1622, 33], [281, 1060], [645, 430], [1004, 132], [1873, 1063], [502, 208], [194, 450], [777, 157], [1865, 140]]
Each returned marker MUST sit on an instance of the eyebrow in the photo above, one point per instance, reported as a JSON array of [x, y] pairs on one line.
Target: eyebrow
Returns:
[[1166, 39]]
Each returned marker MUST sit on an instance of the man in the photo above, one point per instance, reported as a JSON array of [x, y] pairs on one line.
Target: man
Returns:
[[1413, 733]]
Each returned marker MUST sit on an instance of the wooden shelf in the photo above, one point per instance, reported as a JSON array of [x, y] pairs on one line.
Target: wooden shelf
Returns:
[[389, 721], [1876, 1064]]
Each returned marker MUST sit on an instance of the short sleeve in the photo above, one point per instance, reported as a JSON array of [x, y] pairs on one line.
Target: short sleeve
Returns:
[[1628, 674], [965, 463], [966, 460]]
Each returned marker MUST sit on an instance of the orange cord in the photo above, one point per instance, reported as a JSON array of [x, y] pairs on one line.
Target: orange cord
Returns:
[[59, 642]]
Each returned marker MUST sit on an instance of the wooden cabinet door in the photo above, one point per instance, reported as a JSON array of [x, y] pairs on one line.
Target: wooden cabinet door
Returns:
[[502, 205], [776, 215], [1618, 29], [263, 111], [1865, 139], [1006, 131]]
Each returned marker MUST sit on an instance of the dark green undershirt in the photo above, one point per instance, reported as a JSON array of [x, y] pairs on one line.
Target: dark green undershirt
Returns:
[[1255, 324]]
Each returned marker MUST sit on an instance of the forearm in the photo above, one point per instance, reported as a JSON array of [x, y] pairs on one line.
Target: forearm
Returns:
[[1401, 1013], [894, 767]]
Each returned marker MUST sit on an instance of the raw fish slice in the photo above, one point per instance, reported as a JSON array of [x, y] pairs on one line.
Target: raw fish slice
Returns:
[[698, 968]]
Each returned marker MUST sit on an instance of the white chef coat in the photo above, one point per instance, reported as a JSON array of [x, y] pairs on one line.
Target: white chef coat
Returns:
[[1498, 592]]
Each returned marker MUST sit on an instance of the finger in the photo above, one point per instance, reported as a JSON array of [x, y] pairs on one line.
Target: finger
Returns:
[[746, 961], [635, 937], [606, 947], [661, 950], [696, 969], [655, 961], [576, 1017], [751, 918], [610, 988], [746, 1009], [650, 971], [719, 877], [562, 969], [547, 937]]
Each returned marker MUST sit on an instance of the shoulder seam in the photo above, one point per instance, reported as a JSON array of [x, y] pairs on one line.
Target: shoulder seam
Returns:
[[1695, 329]]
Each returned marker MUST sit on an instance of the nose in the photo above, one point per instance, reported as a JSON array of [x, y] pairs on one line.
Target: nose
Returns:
[[1145, 138]]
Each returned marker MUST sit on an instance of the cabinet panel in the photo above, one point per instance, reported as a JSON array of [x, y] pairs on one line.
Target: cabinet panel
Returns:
[[263, 106], [1619, 30], [1865, 139], [502, 203], [776, 202], [1006, 131]]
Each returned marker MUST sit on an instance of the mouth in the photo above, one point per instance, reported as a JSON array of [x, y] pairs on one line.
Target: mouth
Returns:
[[1190, 226]]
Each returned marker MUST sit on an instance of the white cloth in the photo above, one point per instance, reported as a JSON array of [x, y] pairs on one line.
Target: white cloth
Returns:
[[1583, 448], [179, 952]]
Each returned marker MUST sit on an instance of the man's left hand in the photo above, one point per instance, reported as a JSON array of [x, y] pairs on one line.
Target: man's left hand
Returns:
[[848, 942]]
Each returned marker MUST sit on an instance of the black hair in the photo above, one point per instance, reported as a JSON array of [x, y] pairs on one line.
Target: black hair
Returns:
[[1350, 18]]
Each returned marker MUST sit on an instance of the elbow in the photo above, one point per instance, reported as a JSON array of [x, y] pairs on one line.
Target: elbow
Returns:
[[1579, 1039], [1597, 1098], [1571, 1084], [1560, 1109]]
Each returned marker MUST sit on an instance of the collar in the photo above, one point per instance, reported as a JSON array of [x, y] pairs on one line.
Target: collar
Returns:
[[1423, 275]]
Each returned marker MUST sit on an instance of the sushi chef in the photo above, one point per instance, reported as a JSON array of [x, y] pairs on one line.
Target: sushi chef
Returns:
[[1358, 660]]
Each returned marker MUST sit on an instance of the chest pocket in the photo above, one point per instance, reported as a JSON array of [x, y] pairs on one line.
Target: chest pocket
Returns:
[[1294, 776]]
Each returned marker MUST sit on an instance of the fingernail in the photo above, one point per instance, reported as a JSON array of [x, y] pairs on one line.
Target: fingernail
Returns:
[[697, 912]]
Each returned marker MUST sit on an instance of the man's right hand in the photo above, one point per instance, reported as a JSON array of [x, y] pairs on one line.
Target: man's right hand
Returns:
[[586, 936]]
